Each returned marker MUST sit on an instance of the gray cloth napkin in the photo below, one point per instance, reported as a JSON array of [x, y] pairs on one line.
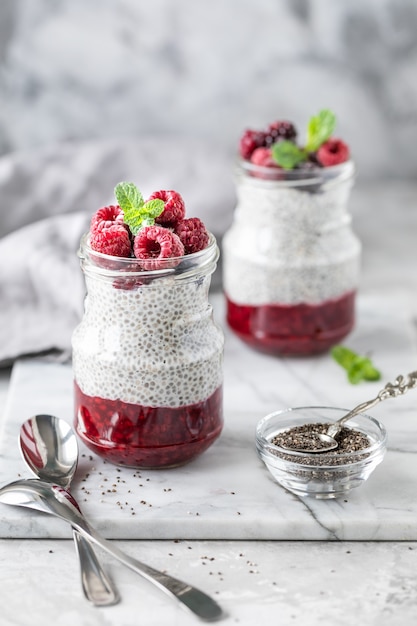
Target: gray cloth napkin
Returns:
[[46, 202], [41, 287]]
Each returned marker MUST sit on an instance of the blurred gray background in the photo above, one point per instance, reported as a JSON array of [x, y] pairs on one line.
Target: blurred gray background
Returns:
[[158, 92], [77, 70]]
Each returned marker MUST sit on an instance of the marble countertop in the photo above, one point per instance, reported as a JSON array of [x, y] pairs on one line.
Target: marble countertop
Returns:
[[295, 581]]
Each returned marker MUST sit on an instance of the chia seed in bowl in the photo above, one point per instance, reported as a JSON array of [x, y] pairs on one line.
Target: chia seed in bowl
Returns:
[[320, 475]]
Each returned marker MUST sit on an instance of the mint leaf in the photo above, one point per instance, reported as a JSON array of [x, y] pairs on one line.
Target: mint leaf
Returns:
[[136, 212], [320, 128], [154, 208], [128, 196], [287, 154], [343, 356], [357, 367], [149, 212]]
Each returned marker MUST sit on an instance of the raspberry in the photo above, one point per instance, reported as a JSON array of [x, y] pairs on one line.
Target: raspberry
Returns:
[[154, 244], [113, 240], [105, 217], [250, 140], [279, 130], [332, 152], [263, 157], [193, 234], [174, 210]]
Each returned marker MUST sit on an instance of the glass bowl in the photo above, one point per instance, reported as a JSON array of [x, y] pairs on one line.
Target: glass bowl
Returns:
[[325, 475]]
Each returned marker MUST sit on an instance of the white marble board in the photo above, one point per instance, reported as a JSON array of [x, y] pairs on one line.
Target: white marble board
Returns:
[[227, 493]]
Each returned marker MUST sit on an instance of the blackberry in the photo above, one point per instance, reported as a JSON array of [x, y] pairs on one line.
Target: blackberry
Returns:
[[280, 130]]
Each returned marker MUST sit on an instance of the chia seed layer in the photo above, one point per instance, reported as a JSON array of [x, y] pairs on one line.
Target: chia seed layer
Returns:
[[154, 345], [289, 245]]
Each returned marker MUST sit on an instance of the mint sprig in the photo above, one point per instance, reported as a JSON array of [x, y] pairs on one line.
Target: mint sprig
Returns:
[[287, 154], [357, 367], [320, 127], [137, 213]]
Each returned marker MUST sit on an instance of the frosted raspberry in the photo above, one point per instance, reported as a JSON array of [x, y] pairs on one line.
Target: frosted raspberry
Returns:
[[263, 157], [250, 140], [154, 244], [193, 234], [106, 216], [333, 152], [174, 210], [113, 240]]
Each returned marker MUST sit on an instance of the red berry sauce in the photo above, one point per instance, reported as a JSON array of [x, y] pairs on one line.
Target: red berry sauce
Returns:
[[294, 330], [147, 437]]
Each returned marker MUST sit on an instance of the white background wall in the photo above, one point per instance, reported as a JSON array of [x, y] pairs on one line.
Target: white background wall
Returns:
[[77, 69]]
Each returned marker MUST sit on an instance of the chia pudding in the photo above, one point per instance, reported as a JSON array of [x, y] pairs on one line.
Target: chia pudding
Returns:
[[147, 359], [290, 258]]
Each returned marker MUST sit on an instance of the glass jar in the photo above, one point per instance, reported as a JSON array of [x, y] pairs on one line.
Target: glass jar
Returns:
[[290, 259], [148, 359]]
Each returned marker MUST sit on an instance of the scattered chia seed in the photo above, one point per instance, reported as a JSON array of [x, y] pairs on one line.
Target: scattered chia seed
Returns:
[[305, 437]]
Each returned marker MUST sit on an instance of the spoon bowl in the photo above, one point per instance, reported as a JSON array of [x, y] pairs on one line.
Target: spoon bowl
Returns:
[[49, 447]]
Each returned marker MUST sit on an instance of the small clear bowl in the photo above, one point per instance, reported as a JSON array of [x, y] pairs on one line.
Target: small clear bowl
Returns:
[[324, 475]]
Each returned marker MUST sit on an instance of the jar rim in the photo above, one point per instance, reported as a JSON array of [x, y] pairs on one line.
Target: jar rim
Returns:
[[268, 176], [107, 265]]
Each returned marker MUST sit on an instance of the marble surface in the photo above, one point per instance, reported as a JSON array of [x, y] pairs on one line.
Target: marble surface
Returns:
[[121, 68], [227, 493], [288, 583], [296, 582]]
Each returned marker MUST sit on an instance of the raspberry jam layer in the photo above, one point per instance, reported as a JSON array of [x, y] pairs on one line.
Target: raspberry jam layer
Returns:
[[295, 330], [147, 437]]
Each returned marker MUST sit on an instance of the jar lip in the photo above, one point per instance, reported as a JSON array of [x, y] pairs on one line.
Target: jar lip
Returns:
[[108, 265], [296, 177]]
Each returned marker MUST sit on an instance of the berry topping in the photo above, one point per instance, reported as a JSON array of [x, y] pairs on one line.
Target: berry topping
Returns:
[[154, 244], [113, 240], [333, 152], [250, 140], [193, 234], [277, 131], [174, 209], [106, 216], [277, 146], [263, 157]]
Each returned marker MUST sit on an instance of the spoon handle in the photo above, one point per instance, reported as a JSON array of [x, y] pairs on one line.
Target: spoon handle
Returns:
[[202, 605], [391, 390], [97, 587]]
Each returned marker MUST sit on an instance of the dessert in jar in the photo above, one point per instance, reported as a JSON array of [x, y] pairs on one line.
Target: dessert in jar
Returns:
[[290, 259], [147, 355]]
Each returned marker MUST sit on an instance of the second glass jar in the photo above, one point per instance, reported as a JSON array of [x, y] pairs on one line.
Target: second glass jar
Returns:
[[291, 261]]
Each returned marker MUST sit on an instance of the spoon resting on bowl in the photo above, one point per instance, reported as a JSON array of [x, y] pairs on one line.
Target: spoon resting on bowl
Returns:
[[327, 441]]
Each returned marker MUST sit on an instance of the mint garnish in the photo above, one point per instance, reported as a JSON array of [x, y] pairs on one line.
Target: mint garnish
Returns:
[[137, 213], [320, 128], [287, 154], [357, 367]]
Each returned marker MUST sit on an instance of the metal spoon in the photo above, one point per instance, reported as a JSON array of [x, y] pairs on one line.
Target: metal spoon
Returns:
[[49, 448], [391, 390], [52, 499]]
